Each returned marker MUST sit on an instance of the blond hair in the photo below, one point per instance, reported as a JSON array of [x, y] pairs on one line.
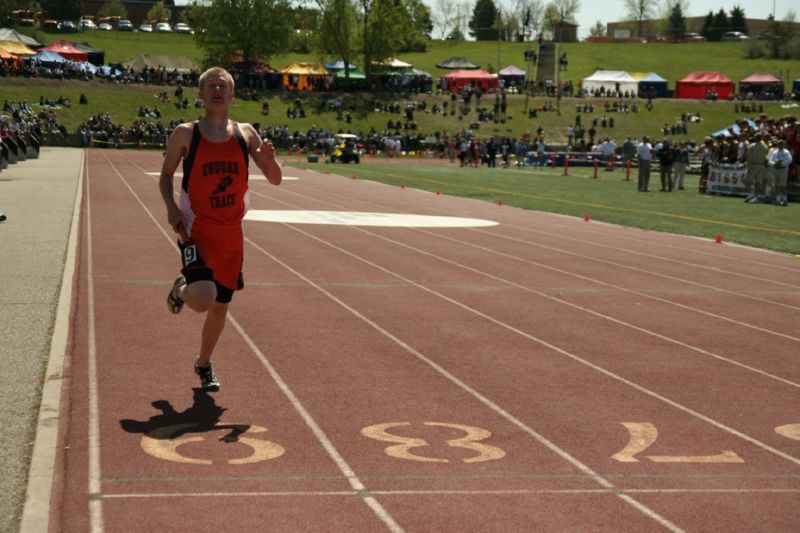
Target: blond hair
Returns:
[[215, 72]]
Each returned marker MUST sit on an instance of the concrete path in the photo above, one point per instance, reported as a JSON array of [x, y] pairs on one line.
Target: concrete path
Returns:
[[38, 197]]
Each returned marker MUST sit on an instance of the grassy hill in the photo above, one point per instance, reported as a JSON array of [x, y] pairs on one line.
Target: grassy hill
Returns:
[[670, 61], [608, 198]]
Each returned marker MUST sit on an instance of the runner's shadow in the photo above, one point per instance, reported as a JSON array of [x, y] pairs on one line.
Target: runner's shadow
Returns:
[[203, 416]]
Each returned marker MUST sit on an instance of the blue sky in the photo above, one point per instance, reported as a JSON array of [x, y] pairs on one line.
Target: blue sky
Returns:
[[613, 10]]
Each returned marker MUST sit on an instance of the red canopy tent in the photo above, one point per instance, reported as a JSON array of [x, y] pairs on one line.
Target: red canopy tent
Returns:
[[761, 83], [459, 78], [700, 84], [67, 50]]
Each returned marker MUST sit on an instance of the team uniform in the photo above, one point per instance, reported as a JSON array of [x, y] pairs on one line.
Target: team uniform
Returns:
[[214, 199]]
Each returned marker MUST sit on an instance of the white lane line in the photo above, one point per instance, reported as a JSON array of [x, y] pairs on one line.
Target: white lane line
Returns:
[[452, 378], [617, 287], [590, 311], [608, 317], [411, 492], [714, 270], [523, 334], [180, 175], [550, 225], [326, 443], [663, 300], [36, 513], [660, 275], [95, 500], [329, 447]]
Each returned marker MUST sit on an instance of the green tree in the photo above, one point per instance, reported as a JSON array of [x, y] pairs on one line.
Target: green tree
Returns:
[[414, 26], [719, 25], [640, 11], [6, 16], [336, 31], [62, 9], [456, 35], [159, 13], [256, 29], [565, 11], [780, 33], [676, 26], [113, 8], [483, 24], [381, 37], [598, 30], [708, 22], [738, 21]]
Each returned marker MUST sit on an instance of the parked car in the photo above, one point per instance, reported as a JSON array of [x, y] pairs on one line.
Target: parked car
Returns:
[[182, 27], [694, 38], [148, 28], [105, 26], [125, 25], [163, 27], [345, 149], [734, 36], [67, 26], [86, 24]]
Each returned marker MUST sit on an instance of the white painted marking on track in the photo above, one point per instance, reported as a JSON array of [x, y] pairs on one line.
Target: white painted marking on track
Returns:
[[358, 218], [95, 489], [180, 175], [553, 447], [511, 328], [356, 483], [412, 492]]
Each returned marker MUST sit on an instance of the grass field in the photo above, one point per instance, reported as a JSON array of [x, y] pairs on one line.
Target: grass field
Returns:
[[609, 198], [671, 61], [606, 199]]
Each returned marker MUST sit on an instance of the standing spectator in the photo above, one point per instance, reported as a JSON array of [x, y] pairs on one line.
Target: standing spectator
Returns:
[[570, 136], [628, 151], [756, 159], [665, 160], [707, 155], [609, 149], [779, 160], [644, 153], [681, 164]]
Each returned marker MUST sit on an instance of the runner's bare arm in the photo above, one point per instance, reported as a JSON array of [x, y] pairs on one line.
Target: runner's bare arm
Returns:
[[177, 147], [263, 154]]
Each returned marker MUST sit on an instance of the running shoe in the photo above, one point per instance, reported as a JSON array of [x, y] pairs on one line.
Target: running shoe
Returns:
[[174, 302], [208, 380]]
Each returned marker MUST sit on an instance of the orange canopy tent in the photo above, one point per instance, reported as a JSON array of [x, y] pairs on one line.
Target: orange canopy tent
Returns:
[[17, 48], [306, 76]]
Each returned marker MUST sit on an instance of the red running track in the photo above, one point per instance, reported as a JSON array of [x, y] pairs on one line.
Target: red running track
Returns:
[[542, 374]]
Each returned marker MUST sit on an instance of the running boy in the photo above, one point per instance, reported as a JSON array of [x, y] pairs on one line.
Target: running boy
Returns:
[[213, 201]]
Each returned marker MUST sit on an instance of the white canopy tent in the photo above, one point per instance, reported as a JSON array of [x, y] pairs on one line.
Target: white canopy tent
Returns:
[[610, 81]]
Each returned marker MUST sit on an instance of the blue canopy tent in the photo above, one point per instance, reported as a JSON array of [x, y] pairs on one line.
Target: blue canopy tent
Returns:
[[339, 65], [733, 129], [651, 83], [48, 56], [351, 78]]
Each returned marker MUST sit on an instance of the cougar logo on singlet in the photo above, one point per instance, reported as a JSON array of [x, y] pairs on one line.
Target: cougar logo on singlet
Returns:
[[223, 184], [223, 200]]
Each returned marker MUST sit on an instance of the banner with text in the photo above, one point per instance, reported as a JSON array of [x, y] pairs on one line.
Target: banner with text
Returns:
[[727, 179]]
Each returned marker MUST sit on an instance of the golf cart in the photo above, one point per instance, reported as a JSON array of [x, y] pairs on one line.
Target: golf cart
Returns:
[[344, 149]]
